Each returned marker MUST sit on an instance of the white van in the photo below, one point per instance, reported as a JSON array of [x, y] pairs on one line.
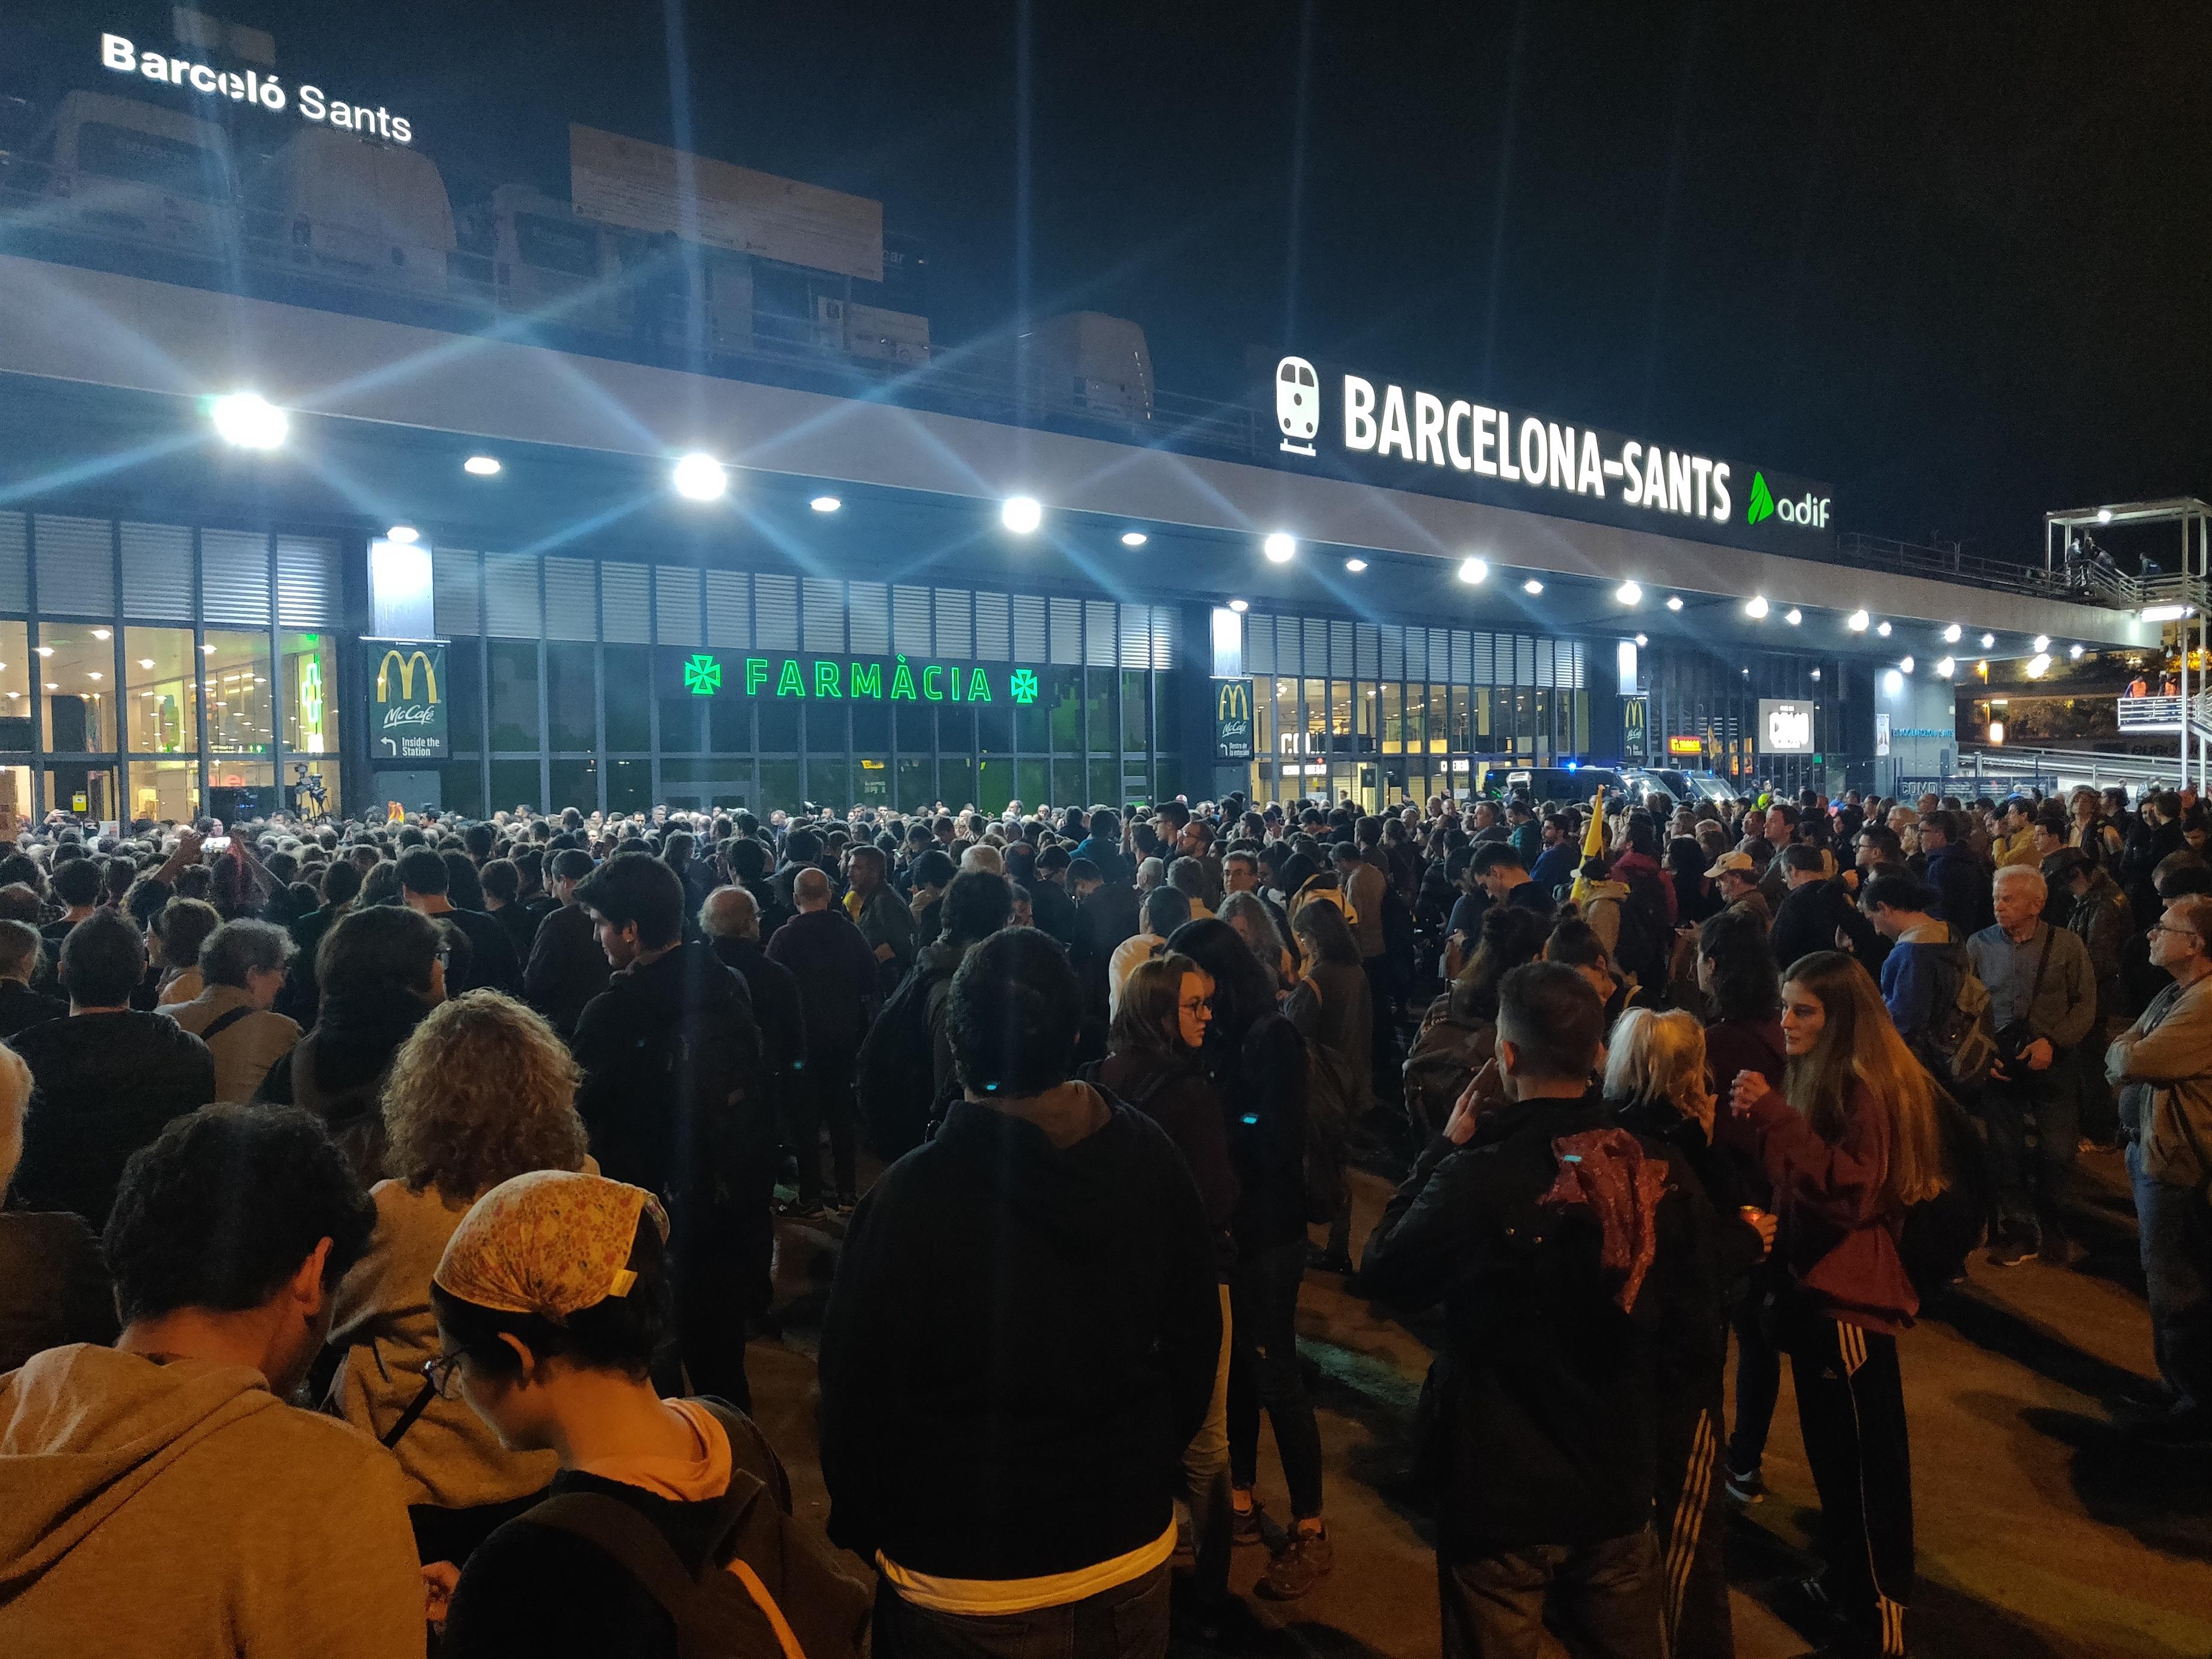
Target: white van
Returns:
[[360, 209], [140, 171]]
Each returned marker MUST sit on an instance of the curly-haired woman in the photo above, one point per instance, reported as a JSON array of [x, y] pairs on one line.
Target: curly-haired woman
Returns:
[[483, 1090]]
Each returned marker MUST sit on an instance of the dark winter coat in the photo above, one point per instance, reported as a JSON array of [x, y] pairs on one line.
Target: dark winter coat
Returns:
[[106, 1085]]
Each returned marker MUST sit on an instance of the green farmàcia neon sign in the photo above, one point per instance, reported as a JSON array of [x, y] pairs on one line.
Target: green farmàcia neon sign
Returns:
[[704, 674]]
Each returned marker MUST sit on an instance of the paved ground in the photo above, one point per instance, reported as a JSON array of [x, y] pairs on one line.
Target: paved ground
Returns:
[[2042, 1532]]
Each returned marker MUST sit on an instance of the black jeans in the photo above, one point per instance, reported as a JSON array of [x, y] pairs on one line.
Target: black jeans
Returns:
[[1263, 1371], [1757, 1379], [2027, 1185], [1129, 1621], [1604, 1599], [823, 1094]]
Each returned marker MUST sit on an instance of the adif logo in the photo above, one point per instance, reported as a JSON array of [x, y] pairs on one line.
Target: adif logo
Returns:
[[1297, 405], [1762, 500], [1808, 509]]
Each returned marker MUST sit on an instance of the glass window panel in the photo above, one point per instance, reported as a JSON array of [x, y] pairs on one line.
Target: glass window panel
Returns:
[[1098, 701], [917, 727], [161, 709], [465, 669], [1106, 783], [994, 785], [825, 732], [730, 725], [1287, 726], [955, 781], [917, 784], [1363, 715], [1462, 737], [1394, 720], [86, 791], [1339, 708], [1031, 732], [513, 696], [239, 697], [629, 695], [1031, 782], [871, 723], [629, 785], [1482, 717], [15, 701], [515, 783], [307, 665], [460, 789], [165, 790], [239, 789], [1166, 776], [683, 725], [76, 683], [1067, 784], [572, 695], [1417, 714], [575, 783], [1064, 690], [830, 782], [1136, 713], [994, 728], [1438, 725], [779, 785], [872, 773], [15, 791], [956, 729], [1316, 717]]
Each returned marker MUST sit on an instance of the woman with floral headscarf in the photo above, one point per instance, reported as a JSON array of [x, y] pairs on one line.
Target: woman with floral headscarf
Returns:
[[552, 1299]]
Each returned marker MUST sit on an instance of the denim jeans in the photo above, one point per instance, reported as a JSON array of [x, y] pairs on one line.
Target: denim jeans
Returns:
[[1129, 1621], [1604, 1599], [1263, 1296], [2174, 1234]]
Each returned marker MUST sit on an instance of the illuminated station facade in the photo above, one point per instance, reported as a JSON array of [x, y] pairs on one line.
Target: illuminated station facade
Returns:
[[310, 470]]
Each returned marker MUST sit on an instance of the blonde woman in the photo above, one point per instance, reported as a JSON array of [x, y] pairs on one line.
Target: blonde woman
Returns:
[[1655, 1081], [483, 1090], [1849, 1141]]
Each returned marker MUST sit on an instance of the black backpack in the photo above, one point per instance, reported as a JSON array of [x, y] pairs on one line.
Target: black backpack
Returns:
[[1959, 1044], [772, 1588], [895, 1076], [1942, 1231]]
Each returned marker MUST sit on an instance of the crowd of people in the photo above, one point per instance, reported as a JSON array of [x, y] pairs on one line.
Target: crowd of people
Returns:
[[389, 1205]]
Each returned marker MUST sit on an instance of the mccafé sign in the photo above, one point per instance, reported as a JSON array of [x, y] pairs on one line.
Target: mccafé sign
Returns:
[[407, 715]]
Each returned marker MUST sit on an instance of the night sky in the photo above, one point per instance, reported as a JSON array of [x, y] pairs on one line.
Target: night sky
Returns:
[[1952, 259]]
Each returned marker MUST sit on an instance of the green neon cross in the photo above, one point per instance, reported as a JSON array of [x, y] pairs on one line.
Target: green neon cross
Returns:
[[1022, 685], [702, 676]]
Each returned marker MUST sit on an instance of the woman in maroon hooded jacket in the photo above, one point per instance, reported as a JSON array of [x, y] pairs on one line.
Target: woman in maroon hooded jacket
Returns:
[[1849, 1141]]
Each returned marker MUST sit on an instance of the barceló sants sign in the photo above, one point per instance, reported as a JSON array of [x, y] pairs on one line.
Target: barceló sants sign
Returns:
[[252, 86]]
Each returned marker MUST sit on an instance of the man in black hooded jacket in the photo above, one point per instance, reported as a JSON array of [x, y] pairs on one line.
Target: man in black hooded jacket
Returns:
[[1573, 1262], [1020, 1342], [672, 1098]]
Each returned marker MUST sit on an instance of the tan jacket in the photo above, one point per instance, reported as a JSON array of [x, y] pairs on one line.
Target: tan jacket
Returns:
[[182, 1511], [2165, 1057], [245, 1049], [382, 1325]]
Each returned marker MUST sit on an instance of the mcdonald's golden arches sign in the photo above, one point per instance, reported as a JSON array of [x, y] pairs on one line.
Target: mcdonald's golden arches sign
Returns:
[[406, 702], [1232, 719]]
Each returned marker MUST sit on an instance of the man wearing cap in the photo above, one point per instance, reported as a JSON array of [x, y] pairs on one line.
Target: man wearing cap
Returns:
[[1737, 876]]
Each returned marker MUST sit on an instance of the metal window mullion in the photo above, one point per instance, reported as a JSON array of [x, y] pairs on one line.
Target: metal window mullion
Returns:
[[198, 666], [277, 793], [37, 681]]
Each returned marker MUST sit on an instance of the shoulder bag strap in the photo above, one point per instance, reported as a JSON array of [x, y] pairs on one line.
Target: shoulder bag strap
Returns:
[[222, 1023]]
